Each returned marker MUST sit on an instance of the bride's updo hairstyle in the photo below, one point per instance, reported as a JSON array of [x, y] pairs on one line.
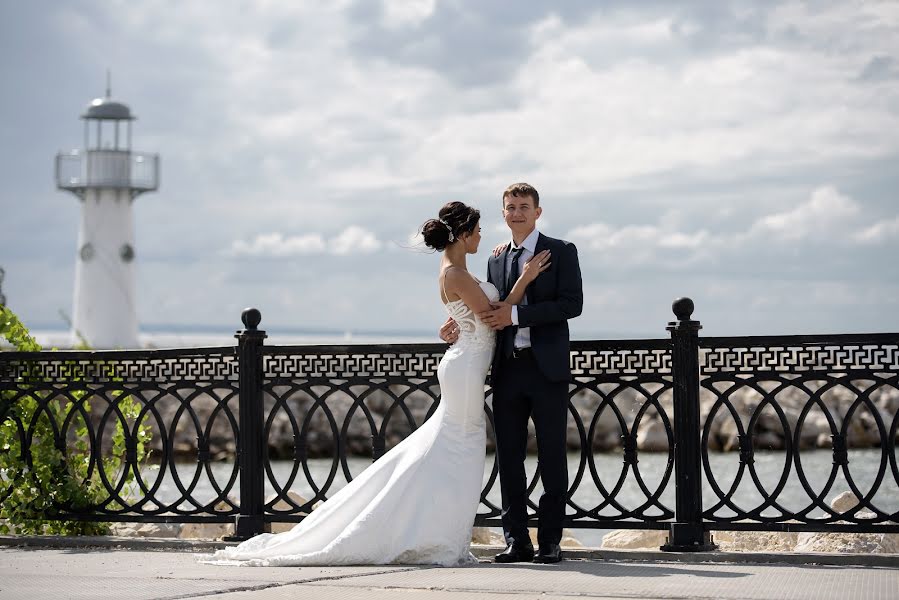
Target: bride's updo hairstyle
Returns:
[[454, 219]]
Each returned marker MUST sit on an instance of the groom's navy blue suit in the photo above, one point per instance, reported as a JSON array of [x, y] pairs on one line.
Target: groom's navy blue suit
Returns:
[[535, 384]]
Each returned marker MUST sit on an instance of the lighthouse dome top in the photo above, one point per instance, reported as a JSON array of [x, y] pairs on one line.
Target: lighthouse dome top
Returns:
[[108, 109]]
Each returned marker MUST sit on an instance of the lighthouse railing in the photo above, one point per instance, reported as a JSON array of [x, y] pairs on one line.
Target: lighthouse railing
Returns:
[[118, 169]]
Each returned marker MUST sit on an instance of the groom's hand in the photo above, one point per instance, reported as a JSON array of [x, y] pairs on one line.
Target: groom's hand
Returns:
[[499, 317], [449, 333]]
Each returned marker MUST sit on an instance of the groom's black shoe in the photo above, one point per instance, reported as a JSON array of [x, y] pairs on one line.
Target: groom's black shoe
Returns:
[[549, 553], [515, 553]]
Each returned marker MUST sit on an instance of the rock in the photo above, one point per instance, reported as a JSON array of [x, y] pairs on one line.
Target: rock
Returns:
[[844, 502], [483, 535], [161, 530], [283, 505], [755, 541], [633, 539], [209, 531], [855, 543], [768, 440], [206, 531], [726, 435], [652, 437], [568, 539]]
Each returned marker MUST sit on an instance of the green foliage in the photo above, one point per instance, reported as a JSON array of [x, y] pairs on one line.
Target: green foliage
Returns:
[[52, 478]]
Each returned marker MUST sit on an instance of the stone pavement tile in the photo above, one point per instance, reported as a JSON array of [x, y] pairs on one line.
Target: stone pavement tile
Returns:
[[178, 565], [70, 587], [131, 575], [648, 580], [128, 575]]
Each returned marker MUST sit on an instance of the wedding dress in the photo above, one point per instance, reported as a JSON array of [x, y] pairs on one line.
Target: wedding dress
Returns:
[[417, 503]]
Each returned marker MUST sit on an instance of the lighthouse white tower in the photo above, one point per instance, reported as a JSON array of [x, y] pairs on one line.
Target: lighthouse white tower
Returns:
[[106, 176]]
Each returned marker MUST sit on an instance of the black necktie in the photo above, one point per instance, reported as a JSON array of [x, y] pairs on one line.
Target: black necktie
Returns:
[[514, 270], [508, 337]]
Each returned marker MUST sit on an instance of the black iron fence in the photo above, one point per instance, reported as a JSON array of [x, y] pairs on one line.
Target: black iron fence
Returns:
[[686, 399]]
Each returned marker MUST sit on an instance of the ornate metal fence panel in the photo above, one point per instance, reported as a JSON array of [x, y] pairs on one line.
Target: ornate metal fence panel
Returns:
[[786, 398], [621, 390], [340, 402], [369, 398], [148, 425], [663, 434]]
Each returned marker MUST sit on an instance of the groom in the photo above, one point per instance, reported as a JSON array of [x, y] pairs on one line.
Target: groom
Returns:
[[530, 374]]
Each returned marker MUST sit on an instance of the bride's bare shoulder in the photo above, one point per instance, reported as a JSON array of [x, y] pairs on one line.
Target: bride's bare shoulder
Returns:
[[455, 274]]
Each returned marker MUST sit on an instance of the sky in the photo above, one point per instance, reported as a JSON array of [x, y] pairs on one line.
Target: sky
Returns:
[[743, 154]]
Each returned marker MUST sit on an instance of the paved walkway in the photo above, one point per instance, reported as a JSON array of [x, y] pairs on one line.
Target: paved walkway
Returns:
[[129, 574]]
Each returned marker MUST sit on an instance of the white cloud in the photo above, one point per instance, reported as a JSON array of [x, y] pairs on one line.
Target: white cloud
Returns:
[[827, 215], [826, 211], [879, 232], [352, 240], [276, 245], [400, 13]]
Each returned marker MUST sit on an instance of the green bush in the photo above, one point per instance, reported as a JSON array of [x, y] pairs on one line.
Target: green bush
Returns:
[[52, 479]]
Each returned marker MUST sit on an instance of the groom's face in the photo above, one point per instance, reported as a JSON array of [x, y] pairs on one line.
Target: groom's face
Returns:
[[520, 214]]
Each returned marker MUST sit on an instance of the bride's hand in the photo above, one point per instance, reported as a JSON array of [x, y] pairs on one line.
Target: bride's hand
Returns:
[[535, 265], [500, 249], [449, 332]]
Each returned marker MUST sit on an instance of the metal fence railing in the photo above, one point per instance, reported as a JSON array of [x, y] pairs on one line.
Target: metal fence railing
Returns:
[[228, 424]]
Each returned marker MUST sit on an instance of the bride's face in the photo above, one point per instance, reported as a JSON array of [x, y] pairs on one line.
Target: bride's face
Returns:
[[472, 240]]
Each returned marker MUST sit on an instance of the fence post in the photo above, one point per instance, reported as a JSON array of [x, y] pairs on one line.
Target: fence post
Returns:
[[686, 533], [250, 444]]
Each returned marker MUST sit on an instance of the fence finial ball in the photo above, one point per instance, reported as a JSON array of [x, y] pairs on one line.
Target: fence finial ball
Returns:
[[683, 308], [251, 318]]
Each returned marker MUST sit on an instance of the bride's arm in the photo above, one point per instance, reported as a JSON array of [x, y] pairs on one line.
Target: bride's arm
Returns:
[[459, 283], [533, 267]]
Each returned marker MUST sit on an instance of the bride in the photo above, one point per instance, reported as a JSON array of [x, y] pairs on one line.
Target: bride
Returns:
[[417, 503]]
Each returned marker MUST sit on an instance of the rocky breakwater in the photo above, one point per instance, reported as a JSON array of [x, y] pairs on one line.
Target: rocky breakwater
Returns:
[[770, 429], [775, 541]]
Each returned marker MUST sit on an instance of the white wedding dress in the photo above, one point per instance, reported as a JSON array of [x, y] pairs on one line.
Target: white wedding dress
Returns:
[[417, 503]]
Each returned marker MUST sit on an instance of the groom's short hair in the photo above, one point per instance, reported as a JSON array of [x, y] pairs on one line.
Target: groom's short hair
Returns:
[[519, 190]]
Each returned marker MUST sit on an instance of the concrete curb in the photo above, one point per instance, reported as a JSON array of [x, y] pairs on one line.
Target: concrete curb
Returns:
[[485, 552], [110, 541]]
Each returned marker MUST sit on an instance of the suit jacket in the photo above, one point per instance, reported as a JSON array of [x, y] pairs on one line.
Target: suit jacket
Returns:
[[554, 297]]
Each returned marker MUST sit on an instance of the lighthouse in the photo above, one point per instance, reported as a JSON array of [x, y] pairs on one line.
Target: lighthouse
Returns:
[[106, 176]]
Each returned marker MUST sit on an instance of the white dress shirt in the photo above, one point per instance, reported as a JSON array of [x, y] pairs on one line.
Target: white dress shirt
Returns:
[[523, 336]]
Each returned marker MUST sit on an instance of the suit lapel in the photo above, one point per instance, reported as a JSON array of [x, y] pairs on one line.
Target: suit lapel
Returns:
[[500, 272], [539, 247]]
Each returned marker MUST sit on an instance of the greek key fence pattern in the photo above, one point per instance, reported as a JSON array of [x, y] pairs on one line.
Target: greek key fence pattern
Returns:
[[795, 354]]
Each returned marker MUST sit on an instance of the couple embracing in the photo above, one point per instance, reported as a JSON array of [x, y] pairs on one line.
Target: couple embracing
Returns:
[[417, 503]]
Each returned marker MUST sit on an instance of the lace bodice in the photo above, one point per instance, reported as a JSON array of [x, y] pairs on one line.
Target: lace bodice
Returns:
[[472, 331]]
